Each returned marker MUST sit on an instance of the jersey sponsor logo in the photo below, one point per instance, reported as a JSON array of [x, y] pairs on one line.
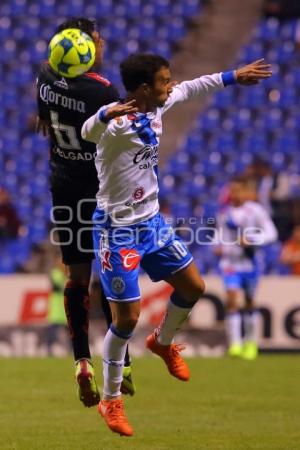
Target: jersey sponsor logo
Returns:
[[144, 201], [138, 193], [49, 96], [156, 124], [61, 83], [118, 285], [119, 120], [130, 258], [146, 157]]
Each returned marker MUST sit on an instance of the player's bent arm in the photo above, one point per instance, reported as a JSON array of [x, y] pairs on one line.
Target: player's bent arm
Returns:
[[264, 222], [94, 126]]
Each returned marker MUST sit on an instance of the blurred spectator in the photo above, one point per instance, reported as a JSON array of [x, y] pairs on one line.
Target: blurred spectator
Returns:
[[282, 9], [41, 258], [56, 313], [290, 254], [10, 225], [273, 192]]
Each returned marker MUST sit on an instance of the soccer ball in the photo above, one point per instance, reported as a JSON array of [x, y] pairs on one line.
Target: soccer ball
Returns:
[[71, 52]]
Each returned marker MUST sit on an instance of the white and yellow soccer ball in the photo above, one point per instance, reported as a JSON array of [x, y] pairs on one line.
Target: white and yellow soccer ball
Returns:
[[71, 52]]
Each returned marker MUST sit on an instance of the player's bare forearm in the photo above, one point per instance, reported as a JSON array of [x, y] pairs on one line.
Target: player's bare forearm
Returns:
[[121, 109], [254, 72]]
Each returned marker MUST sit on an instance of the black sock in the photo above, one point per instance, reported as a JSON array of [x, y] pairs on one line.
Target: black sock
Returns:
[[107, 314], [105, 308], [77, 312], [127, 359]]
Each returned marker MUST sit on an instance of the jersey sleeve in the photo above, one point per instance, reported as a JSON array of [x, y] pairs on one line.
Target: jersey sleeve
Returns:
[[94, 127], [264, 223], [199, 87]]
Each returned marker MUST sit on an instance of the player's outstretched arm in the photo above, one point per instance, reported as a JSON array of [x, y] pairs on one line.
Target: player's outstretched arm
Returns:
[[253, 73]]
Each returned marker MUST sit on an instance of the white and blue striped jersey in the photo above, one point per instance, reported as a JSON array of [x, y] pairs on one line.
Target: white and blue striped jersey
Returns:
[[249, 222], [127, 154]]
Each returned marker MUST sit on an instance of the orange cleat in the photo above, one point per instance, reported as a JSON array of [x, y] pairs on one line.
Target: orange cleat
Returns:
[[114, 415], [170, 354]]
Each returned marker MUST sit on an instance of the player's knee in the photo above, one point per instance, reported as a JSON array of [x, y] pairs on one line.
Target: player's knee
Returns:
[[79, 280], [79, 273], [194, 291], [198, 290], [231, 301], [126, 324], [231, 305]]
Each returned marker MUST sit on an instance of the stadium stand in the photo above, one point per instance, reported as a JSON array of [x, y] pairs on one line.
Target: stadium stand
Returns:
[[237, 126]]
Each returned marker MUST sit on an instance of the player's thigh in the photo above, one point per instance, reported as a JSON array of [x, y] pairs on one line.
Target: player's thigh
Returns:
[[188, 282], [119, 276], [73, 226], [79, 273]]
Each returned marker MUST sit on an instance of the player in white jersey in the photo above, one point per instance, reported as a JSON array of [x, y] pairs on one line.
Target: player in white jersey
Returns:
[[129, 232], [242, 227]]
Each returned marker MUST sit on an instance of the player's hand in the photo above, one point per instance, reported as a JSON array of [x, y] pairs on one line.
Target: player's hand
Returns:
[[121, 109], [42, 126], [253, 73]]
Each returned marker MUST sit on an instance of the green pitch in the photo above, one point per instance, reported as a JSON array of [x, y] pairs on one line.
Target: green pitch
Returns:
[[232, 405]]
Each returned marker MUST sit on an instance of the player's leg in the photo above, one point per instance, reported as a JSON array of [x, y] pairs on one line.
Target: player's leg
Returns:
[[250, 349], [121, 288], [188, 288], [125, 316], [76, 296], [77, 308], [171, 261], [128, 387], [233, 320], [77, 255]]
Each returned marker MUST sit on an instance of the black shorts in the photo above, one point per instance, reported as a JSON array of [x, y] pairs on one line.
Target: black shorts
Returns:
[[73, 208]]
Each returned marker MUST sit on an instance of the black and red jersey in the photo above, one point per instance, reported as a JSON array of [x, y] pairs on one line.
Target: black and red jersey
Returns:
[[66, 103]]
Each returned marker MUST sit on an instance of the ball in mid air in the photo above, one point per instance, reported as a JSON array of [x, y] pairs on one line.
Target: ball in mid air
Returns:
[[71, 52]]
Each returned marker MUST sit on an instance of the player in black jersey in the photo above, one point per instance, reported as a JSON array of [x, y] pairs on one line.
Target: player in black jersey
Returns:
[[63, 106]]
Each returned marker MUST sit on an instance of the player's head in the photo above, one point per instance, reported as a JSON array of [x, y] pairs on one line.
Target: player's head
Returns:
[[240, 190], [89, 27], [147, 76]]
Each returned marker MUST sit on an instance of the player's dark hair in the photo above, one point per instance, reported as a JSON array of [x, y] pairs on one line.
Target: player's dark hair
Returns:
[[86, 25], [140, 68]]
